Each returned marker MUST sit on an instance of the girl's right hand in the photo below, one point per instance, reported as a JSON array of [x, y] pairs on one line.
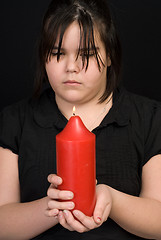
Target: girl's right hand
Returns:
[[54, 195]]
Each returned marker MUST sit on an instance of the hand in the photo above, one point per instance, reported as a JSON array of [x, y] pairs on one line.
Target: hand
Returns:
[[78, 221], [55, 195]]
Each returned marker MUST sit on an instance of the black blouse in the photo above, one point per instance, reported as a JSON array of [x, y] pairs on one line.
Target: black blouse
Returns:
[[126, 139]]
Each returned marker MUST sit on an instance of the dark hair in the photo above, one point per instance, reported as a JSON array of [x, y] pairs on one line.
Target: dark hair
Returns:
[[90, 14]]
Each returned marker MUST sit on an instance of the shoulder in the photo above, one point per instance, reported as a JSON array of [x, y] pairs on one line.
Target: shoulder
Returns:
[[142, 106], [139, 100], [11, 125], [16, 109], [139, 110], [15, 112], [25, 107], [14, 119], [144, 122]]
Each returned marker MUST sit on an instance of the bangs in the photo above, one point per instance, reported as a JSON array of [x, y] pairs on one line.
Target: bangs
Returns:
[[94, 19], [55, 29]]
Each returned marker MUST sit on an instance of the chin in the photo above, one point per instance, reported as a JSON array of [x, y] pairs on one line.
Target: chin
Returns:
[[73, 98]]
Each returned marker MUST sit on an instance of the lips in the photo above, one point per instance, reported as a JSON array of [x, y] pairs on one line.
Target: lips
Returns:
[[72, 82]]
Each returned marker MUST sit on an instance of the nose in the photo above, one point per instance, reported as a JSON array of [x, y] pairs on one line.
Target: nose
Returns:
[[73, 64]]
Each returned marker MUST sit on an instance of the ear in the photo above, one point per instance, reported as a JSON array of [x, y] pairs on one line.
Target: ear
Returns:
[[108, 61]]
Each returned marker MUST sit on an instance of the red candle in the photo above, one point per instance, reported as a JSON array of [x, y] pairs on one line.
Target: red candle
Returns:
[[75, 150]]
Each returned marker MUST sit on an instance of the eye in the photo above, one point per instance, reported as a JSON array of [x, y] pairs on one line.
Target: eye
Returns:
[[91, 53], [57, 53]]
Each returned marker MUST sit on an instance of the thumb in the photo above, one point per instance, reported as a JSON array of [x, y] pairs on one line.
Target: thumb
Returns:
[[98, 211], [103, 205]]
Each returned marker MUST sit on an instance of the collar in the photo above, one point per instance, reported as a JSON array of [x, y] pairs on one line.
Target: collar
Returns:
[[120, 111], [47, 114]]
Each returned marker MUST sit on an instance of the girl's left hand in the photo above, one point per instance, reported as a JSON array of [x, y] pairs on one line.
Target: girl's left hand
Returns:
[[78, 221]]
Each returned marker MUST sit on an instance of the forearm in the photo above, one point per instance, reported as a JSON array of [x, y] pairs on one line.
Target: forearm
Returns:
[[24, 220], [136, 215]]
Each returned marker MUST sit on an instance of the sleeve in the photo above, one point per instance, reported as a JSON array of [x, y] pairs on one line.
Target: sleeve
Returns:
[[10, 128], [152, 132]]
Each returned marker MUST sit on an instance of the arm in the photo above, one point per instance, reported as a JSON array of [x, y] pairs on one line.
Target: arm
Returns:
[[138, 215], [21, 220], [141, 215]]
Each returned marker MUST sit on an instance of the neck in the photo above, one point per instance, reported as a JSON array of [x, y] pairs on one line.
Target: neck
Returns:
[[91, 113]]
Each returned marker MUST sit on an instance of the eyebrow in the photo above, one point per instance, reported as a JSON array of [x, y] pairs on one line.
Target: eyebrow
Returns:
[[85, 49], [56, 48], [81, 49]]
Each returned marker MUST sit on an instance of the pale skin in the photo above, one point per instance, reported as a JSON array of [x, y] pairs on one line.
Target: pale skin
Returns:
[[138, 215]]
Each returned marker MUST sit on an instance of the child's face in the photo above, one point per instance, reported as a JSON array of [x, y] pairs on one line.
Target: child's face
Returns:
[[70, 81]]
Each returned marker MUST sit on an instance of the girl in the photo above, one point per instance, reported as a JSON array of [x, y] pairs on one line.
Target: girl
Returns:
[[80, 57]]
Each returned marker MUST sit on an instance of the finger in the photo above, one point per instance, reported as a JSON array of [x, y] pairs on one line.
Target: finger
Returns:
[[52, 204], [102, 208], [63, 222], [59, 194], [73, 223], [106, 213], [54, 179], [88, 222], [98, 214], [52, 213]]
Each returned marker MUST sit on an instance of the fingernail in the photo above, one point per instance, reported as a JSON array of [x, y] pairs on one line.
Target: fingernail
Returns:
[[60, 215], [70, 195], [98, 219], [71, 205], [76, 213], [59, 181], [55, 212], [65, 212]]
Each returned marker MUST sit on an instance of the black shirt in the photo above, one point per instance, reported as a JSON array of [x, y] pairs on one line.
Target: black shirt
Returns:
[[126, 139]]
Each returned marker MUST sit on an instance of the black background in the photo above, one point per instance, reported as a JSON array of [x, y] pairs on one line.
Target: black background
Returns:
[[139, 24]]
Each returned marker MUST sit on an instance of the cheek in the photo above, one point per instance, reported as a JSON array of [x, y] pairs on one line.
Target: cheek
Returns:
[[51, 76], [52, 71], [93, 74]]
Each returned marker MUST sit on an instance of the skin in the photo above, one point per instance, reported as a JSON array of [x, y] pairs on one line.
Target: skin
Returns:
[[138, 215], [72, 84], [85, 93], [66, 217]]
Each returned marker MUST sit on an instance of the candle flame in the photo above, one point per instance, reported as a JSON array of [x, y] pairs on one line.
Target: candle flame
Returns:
[[74, 111]]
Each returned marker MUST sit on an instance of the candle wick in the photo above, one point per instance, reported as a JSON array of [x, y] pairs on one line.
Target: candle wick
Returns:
[[74, 111]]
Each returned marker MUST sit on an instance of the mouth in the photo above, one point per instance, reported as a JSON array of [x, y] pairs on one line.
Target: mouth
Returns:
[[72, 83]]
